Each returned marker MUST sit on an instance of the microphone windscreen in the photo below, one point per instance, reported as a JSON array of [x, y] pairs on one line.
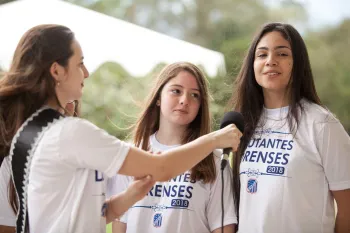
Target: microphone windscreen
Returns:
[[233, 118]]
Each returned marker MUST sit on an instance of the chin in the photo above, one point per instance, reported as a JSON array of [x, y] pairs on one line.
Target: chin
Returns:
[[78, 95], [181, 122]]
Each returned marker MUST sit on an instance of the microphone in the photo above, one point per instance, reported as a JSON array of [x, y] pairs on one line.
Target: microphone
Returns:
[[230, 118]]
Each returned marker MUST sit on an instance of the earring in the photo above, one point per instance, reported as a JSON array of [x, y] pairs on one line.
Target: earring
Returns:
[[158, 103], [58, 84]]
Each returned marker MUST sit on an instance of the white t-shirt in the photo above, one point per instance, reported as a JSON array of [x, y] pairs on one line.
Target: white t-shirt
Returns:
[[66, 187], [180, 205], [7, 216], [286, 180]]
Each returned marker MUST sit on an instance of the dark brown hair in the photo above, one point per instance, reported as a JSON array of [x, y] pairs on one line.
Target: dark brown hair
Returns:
[[248, 98]]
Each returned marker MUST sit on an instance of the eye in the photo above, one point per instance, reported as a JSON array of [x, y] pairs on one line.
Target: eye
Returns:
[[195, 95], [175, 91], [282, 54], [261, 55]]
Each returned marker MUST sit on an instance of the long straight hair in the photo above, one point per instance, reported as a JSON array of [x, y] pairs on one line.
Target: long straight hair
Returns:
[[28, 84], [148, 122], [248, 98]]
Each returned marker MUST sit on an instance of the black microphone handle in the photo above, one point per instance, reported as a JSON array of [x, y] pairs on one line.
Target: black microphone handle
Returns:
[[225, 156]]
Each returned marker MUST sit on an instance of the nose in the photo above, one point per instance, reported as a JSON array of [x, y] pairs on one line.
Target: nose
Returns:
[[271, 61], [86, 73], [184, 99]]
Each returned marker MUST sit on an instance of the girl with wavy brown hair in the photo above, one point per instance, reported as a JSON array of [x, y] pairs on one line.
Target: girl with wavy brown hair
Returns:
[[177, 112]]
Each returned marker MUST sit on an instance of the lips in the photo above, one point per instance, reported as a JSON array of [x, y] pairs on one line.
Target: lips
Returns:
[[272, 73], [181, 111]]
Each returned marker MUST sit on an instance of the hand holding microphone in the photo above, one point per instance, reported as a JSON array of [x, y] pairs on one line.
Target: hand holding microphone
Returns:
[[235, 120], [227, 137]]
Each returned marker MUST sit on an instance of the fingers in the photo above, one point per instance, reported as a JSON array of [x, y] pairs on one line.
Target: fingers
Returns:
[[236, 135], [148, 183], [143, 183], [235, 130]]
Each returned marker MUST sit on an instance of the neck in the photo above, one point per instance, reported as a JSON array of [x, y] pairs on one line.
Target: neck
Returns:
[[52, 103], [276, 99], [169, 134]]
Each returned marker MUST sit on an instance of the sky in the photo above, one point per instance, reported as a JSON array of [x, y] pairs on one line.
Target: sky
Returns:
[[327, 11], [324, 12]]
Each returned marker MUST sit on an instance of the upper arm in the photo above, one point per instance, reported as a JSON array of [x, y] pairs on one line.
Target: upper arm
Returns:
[[342, 199], [227, 229], [118, 227], [117, 184], [84, 145], [140, 163]]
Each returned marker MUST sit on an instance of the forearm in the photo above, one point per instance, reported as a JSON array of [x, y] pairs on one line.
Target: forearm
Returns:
[[139, 163], [183, 158], [118, 227], [163, 167], [117, 205]]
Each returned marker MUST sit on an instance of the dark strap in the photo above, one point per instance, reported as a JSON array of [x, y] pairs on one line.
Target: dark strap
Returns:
[[21, 153]]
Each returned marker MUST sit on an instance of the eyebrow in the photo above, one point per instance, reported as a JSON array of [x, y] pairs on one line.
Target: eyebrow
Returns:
[[277, 47], [177, 85]]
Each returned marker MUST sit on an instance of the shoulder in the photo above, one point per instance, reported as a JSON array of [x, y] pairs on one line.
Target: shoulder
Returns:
[[75, 126], [317, 114], [217, 158], [76, 122]]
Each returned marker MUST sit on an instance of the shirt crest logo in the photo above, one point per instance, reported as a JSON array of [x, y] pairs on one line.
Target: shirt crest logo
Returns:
[[252, 186], [157, 220]]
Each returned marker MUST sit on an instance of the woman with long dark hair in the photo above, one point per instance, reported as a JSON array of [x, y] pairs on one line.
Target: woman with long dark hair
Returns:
[[293, 160]]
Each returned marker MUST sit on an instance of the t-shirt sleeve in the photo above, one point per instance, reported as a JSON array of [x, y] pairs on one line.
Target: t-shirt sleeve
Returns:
[[117, 184], [84, 145], [124, 218], [333, 144], [214, 205]]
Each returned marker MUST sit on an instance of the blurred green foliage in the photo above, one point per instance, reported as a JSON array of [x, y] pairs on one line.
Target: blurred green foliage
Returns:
[[113, 98]]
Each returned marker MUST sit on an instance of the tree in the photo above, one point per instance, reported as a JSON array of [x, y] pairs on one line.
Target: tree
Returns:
[[5, 1], [329, 53]]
